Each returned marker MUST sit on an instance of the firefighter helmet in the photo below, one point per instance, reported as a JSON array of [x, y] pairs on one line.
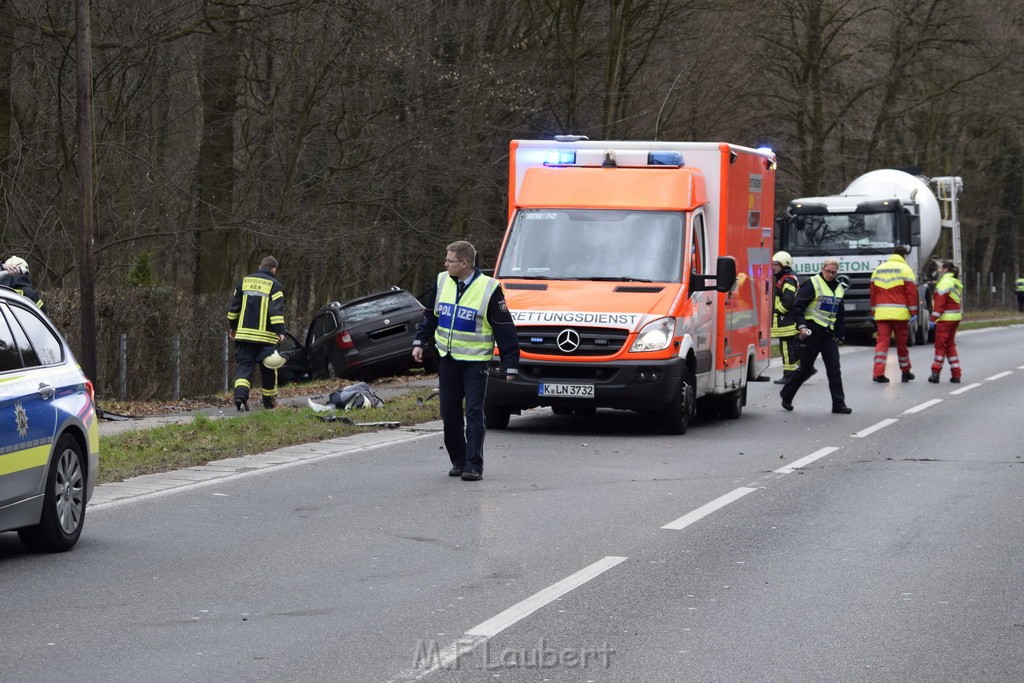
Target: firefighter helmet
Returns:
[[783, 258], [274, 360]]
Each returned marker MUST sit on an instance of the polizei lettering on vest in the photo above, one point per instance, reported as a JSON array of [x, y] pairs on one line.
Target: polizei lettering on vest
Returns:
[[590, 318]]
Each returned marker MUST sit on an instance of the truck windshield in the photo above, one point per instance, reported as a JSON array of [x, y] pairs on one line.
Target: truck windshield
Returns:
[[837, 231], [602, 244]]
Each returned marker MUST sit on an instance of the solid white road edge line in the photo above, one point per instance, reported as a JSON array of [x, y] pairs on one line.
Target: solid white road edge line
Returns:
[[874, 428], [705, 510], [806, 460], [965, 389], [483, 632], [999, 376], [919, 408], [249, 473]]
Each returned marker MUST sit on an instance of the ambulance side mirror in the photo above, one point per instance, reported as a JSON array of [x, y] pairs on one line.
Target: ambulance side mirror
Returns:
[[724, 277]]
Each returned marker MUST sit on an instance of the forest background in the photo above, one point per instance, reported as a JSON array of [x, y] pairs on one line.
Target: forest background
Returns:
[[354, 139]]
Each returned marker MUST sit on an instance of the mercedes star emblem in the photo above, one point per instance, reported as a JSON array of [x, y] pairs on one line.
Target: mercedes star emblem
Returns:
[[568, 340]]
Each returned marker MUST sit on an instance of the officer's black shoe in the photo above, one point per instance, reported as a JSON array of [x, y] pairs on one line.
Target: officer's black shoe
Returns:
[[907, 376], [241, 404], [933, 378], [954, 380], [783, 379], [881, 379], [842, 410], [455, 472], [787, 404], [470, 475], [269, 404]]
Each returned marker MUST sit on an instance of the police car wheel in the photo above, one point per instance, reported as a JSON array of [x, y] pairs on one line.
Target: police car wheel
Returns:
[[63, 502]]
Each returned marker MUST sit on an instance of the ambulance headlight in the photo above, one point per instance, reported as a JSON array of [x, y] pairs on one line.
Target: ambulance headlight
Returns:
[[655, 336]]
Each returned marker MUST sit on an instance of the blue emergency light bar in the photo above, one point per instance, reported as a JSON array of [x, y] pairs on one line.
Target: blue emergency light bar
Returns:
[[560, 157], [664, 159]]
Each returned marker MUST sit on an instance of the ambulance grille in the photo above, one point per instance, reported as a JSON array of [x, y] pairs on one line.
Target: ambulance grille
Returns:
[[638, 289], [594, 341]]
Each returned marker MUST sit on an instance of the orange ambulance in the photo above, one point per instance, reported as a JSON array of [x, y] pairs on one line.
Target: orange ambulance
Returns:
[[639, 277]]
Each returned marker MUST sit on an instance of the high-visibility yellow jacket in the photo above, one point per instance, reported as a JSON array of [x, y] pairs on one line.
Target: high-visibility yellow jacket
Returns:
[[946, 304], [786, 285], [256, 311], [893, 290], [463, 330]]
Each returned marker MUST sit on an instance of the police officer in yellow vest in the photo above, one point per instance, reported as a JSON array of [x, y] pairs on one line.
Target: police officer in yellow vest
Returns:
[[1019, 287], [818, 311], [256, 323], [468, 317]]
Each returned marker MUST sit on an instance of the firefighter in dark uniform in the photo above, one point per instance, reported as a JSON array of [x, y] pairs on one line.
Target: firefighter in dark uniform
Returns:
[[14, 274], [256, 323], [783, 325]]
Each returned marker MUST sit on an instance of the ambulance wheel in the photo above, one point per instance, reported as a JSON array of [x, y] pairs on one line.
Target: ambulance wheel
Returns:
[[496, 417], [63, 502], [675, 417], [730, 406]]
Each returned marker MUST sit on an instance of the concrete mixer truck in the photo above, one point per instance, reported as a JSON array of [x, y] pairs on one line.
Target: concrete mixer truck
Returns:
[[860, 228]]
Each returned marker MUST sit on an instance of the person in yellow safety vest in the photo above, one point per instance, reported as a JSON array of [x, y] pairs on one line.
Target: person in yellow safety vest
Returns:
[[894, 307], [947, 311], [783, 326], [467, 317], [256, 323], [820, 319], [1019, 290]]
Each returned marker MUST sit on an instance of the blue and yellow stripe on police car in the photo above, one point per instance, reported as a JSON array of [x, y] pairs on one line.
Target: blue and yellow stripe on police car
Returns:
[[25, 456]]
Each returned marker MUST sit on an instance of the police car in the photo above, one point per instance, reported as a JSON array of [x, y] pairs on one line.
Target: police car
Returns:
[[49, 440]]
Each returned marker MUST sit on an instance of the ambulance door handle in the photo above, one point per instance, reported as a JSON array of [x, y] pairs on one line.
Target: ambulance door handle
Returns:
[[45, 391], [707, 302]]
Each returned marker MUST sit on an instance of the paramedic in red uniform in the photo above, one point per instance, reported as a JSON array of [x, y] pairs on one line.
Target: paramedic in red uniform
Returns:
[[894, 307]]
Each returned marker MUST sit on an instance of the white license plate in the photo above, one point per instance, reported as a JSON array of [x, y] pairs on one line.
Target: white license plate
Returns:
[[566, 390], [849, 307]]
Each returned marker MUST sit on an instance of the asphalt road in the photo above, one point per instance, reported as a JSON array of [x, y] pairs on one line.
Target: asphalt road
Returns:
[[883, 545]]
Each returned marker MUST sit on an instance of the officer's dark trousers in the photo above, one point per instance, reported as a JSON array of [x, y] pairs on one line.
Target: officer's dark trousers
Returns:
[[1020, 301], [462, 385], [823, 342], [247, 356]]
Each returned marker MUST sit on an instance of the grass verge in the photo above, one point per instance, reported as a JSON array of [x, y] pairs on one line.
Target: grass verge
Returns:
[[202, 439]]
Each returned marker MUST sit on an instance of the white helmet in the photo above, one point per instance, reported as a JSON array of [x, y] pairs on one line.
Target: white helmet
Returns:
[[783, 258], [274, 360], [17, 264]]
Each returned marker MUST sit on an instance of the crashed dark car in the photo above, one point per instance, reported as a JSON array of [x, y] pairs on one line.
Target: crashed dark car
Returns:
[[363, 338]]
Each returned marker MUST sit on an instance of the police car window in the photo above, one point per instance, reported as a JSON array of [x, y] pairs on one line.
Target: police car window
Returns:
[[10, 359], [44, 348]]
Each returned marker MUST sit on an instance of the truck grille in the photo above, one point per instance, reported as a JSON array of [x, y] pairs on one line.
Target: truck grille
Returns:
[[593, 341]]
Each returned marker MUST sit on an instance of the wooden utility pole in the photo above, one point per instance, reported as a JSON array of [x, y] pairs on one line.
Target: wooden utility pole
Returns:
[[87, 259]]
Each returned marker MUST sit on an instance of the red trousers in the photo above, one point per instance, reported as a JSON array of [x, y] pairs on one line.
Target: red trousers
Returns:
[[886, 328], [945, 346]]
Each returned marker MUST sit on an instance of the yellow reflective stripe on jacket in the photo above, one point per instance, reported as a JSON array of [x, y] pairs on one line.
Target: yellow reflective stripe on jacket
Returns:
[[825, 305], [463, 330], [954, 289], [257, 291]]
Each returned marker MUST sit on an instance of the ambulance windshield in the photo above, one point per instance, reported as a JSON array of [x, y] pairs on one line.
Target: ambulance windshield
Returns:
[[595, 244], [835, 232]]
